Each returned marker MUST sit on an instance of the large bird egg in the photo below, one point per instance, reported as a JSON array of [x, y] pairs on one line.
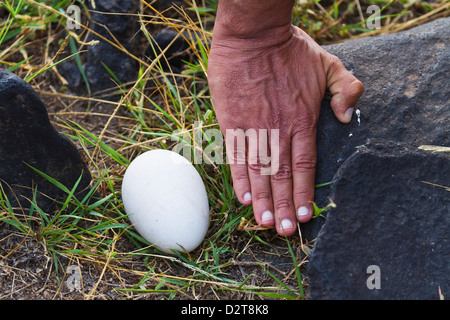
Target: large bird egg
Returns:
[[166, 200]]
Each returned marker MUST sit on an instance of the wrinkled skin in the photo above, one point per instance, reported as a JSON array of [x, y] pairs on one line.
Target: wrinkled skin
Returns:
[[277, 81]]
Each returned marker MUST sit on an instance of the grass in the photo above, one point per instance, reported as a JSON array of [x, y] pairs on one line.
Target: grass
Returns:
[[237, 260]]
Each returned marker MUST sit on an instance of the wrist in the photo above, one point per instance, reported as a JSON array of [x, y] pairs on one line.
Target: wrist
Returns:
[[266, 22]]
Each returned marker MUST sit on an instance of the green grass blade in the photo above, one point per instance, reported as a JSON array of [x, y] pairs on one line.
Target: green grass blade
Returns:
[[291, 293], [41, 71], [297, 269], [50, 179]]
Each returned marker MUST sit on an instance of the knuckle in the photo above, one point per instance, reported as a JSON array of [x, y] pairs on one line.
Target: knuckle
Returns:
[[263, 196], [239, 175], [256, 167], [301, 192], [304, 163], [282, 203], [358, 88], [306, 125], [284, 173], [236, 156], [335, 61]]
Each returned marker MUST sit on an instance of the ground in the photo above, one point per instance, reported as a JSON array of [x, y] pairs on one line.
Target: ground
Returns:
[[95, 245]]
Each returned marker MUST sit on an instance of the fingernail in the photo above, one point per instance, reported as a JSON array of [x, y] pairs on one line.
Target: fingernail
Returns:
[[286, 224], [348, 115], [267, 217], [247, 196], [302, 211]]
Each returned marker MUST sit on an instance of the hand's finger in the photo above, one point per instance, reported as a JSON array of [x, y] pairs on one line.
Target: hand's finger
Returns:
[[304, 160], [236, 157], [345, 88], [261, 196], [281, 184], [259, 175]]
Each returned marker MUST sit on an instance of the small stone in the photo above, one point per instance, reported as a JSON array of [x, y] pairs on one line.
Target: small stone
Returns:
[[27, 137]]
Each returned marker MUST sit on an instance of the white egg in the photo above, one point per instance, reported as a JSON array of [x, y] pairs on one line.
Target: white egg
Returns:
[[166, 200]]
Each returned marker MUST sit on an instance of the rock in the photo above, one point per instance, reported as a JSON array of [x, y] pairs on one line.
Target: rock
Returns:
[[117, 17], [27, 137], [69, 70], [385, 215], [406, 99], [178, 52], [393, 216], [175, 54]]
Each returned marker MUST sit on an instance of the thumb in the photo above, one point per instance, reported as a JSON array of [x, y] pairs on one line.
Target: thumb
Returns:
[[345, 88]]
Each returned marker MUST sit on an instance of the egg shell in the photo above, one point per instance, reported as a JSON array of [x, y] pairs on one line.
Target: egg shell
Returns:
[[166, 200]]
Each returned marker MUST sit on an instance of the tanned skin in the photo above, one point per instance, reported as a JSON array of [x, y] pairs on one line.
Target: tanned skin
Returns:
[[265, 73]]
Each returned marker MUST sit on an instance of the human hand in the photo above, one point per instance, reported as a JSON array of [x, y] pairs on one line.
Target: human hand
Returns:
[[277, 81]]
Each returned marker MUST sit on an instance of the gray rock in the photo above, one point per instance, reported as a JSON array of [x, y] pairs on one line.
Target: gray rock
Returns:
[[175, 55], [117, 17], [392, 213], [27, 137], [69, 70], [406, 99], [176, 52], [386, 216]]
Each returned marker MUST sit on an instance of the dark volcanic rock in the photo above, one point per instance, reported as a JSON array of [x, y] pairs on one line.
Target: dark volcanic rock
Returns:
[[388, 215], [176, 46], [115, 17], [407, 96], [27, 137], [175, 54], [406, 99], [69, 70]]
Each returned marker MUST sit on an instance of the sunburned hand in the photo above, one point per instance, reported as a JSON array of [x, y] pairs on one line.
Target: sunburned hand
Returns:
[[277, 83]]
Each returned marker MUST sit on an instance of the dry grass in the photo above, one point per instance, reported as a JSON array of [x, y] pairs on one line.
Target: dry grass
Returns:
[[234, 261]]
